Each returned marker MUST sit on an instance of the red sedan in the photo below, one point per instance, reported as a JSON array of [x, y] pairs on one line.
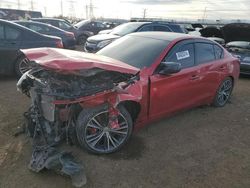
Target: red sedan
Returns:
[[98, 99]]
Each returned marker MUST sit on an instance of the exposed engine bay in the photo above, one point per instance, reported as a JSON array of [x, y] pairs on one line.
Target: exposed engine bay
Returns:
[[49, 122]]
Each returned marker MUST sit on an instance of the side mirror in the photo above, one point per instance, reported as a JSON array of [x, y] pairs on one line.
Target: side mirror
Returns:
[[167, 68]]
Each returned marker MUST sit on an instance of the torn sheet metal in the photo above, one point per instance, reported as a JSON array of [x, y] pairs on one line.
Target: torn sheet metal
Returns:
[[68, 61], [45, 137], [61, 162]]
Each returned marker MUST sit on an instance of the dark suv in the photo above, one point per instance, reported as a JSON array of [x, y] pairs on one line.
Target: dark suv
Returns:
[[80, 34], [97, 42]]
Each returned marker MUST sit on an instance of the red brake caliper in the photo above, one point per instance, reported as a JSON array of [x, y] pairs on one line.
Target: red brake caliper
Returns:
[[113, 118]]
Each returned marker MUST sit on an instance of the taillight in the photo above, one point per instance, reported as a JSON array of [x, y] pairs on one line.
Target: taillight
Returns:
[[59, 44], [70, 34]]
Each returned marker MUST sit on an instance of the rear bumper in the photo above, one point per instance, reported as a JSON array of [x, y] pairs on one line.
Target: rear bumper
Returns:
[[90, 47], [245, 68]]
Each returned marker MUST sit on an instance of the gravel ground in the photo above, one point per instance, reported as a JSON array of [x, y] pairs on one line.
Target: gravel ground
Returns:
[[203, 147]]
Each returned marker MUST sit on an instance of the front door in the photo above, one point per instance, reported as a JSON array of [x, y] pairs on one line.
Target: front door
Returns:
[[172, 93]]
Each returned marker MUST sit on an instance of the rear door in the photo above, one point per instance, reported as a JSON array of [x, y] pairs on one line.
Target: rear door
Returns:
[[10, 42], [172, 93], [209, 61]]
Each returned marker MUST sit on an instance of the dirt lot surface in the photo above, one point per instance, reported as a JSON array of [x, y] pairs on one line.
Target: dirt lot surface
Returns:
[[203, 147]]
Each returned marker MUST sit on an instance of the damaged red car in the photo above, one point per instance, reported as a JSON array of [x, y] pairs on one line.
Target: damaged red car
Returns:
[[98, 99]]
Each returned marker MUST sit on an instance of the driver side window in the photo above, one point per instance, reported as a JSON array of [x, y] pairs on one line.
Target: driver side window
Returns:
[[183, 54]]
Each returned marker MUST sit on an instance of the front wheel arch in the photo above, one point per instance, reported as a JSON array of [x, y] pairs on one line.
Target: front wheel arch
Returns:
[[133, 107]]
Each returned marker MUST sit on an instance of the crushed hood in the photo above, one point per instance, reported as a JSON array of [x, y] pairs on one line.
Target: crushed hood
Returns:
[[68, 60]]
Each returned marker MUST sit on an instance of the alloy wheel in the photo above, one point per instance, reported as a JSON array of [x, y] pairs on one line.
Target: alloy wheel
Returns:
[[24, 65], [225, 92], [103, 135]]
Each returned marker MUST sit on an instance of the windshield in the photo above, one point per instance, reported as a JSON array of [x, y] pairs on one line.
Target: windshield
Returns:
[[64, 25], [81, 23], [137, 51], [126, 28]]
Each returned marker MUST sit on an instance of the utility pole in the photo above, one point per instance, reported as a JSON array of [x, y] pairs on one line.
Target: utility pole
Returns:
[[87, 11], [18, 4], [72, 8], [204, 15], [62, 8], [144, 13], [32, 5], [91, 11], [45, 11]]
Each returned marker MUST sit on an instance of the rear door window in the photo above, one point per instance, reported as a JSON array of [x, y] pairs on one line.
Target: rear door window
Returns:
[[183, 54], [64, 25], [35, 28], [218, 52], [11, 33], [161, 28], [204, 53], [147, 28]]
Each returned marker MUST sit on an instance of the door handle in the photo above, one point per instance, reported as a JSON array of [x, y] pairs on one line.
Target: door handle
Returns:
[[194, 77]]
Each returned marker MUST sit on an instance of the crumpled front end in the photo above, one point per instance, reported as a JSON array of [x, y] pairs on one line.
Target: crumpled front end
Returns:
[[56, 100], [56, 97]]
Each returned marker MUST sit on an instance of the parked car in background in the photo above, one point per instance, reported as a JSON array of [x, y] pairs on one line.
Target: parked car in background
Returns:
[[14, 37], [68, 38], [237, 37], [80, 34], [101, 98], [97, 42], [241, 49], [91, 26]]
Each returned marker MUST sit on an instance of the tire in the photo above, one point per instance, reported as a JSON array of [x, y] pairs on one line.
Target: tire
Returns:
[[82, 39], [99, 137], [21, 66], [223, 93]]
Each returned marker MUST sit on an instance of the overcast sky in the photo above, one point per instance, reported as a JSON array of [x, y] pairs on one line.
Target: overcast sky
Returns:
[[181, 9]]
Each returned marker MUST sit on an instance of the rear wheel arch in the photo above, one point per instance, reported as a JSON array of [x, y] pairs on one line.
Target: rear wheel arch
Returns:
[[82, 38], [232, 79]]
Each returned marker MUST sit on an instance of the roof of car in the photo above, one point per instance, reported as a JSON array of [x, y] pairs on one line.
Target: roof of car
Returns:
[[40, 23], [167, 36], [15, 24], [55, 19]]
